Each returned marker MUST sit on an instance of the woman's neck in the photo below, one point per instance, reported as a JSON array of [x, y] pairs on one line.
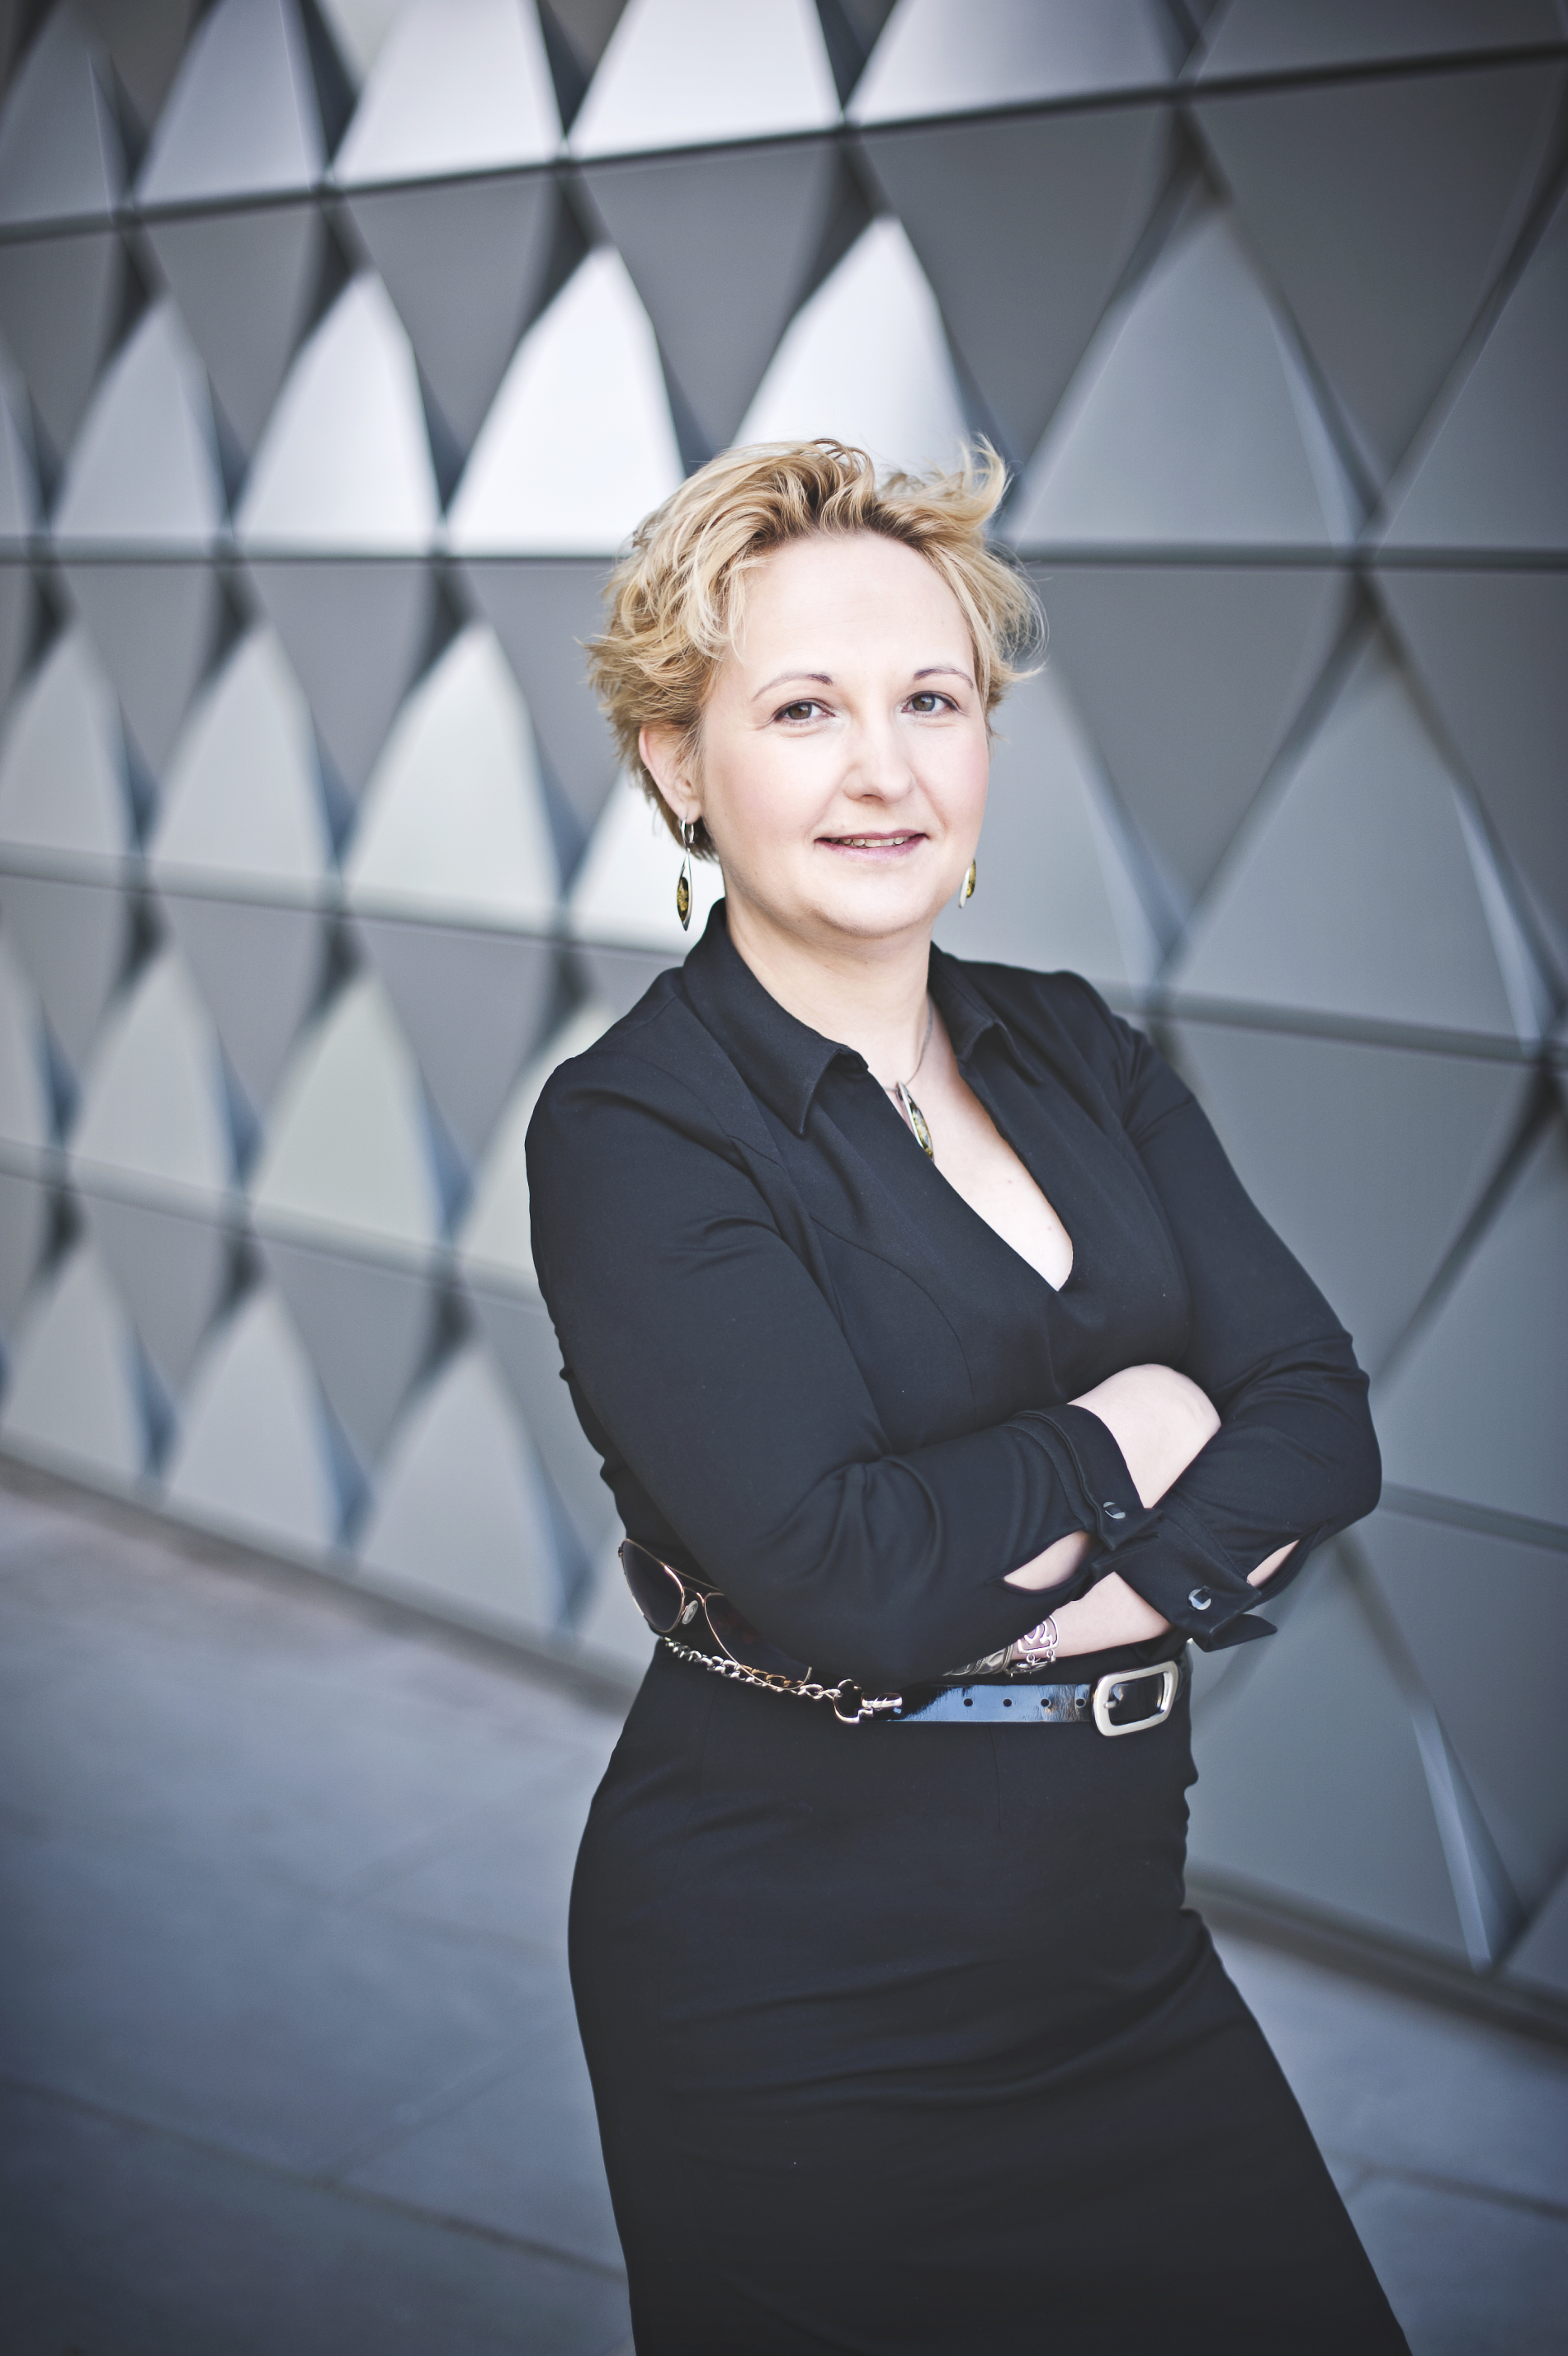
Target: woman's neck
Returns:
[[867, 994]]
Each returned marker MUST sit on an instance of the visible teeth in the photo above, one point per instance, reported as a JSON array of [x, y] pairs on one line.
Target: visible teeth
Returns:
[[872, 841]]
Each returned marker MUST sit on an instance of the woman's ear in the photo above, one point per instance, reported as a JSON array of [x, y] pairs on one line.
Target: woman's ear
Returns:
[[661, 749]]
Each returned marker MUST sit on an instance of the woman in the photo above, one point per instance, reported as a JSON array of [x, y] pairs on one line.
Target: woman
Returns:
[[913, 1307]]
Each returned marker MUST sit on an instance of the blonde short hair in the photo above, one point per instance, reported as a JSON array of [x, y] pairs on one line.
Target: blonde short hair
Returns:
[[676, 600]]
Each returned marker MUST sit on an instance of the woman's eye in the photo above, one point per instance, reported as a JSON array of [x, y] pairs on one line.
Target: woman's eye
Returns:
[[807, 709], [928, 701]]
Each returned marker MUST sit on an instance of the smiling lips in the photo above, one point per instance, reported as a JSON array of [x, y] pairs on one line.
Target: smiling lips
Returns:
[[869, 842]]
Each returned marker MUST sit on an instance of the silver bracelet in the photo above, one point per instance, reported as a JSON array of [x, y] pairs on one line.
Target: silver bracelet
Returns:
[[1037, 1646]]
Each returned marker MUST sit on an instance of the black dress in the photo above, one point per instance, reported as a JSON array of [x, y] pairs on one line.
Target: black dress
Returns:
[[902, 2036]]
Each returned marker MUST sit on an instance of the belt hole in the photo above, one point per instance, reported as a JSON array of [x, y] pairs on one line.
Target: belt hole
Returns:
[[969, 1701]]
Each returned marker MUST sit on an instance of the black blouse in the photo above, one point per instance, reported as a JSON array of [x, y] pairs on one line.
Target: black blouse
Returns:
[[818, 1378]]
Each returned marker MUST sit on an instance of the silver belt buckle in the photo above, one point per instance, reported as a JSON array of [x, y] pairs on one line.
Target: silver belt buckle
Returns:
[[1110, 1688]]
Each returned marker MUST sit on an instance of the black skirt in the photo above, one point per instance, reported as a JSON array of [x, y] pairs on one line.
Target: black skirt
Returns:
[[903, 2040]]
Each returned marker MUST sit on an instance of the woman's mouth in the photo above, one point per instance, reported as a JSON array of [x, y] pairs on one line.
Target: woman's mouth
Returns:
[[885, 843]]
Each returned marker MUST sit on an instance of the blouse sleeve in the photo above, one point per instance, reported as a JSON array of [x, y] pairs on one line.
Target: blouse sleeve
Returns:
[[1295, 1458], [698, 1342]]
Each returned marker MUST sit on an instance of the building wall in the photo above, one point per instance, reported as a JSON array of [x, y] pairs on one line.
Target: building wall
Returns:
[[341, 351]]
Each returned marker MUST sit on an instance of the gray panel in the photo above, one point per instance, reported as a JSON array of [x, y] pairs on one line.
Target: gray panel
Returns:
[[172, 1266], [72, 938], [473, 1003], [24, 1232], [1540, 1958], [59, 149], [15, 624], [1288, 1761], [59, 298], [620, 977], [259, 968], [153, 627], [241, 116], [541, 613], [1259, 36], [145, 39], [367, 1325], [1188, 678], [1355, 888], [1487, 1624], [1190, 423], [1367, 1160], [1056, 885], [354, 633], [1475, 1411], [718, 247], [243, 282], [1384, 211], [939, 57], [1487, 649], [465, 264], [1493, 472], [1024, 229], [518, 1328]]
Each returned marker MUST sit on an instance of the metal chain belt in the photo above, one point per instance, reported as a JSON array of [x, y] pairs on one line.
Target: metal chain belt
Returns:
[[840, 1695]]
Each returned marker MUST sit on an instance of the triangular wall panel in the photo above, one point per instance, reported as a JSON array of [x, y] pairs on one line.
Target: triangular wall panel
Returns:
[[1190, 422], [1384, 209], [941, 56], [683, 74]]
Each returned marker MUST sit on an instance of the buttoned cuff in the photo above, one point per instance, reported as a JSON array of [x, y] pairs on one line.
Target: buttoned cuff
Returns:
[[1174, 1565], [1093, 1471]]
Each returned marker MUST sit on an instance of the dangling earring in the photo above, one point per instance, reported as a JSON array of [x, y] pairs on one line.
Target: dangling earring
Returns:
[[967, 893], [683, 882]]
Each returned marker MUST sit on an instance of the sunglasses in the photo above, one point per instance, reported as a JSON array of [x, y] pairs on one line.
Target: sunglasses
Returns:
[[667, 1600]]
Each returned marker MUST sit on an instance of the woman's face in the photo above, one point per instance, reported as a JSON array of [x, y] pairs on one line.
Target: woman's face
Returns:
[[843, 759]]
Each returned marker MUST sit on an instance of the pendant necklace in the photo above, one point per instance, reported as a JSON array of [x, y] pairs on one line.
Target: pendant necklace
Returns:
[[899, 1091]]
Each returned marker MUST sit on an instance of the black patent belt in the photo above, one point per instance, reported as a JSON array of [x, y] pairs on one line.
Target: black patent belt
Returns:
[[683, 1611], [1123, 1701]]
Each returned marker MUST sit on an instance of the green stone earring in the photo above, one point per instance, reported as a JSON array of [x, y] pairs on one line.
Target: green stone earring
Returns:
[[967, 893], [683, 881]]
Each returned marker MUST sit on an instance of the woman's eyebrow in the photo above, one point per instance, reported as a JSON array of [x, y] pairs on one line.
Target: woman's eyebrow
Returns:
[[822, 677]]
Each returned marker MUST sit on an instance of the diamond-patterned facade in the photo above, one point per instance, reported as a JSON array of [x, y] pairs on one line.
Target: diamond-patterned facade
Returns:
[[323, 405]]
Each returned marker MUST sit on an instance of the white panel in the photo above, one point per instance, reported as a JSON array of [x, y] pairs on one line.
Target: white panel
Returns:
[[24, 1099], [344, 461], [454, 819], [942, 57], [1054, 889], [1189, 420], [60, 151], [62, 759], [73, 1398], [145, 465], [866, 362], [242, 117], [607, 1621], [251, 1456], [624, 889], [680, 72], [517, 1326], [241, 797], [579, 445], [1360, 887], [460, 85], [493, 1242], [348, 1144], [153, 1093], [460, 1518]]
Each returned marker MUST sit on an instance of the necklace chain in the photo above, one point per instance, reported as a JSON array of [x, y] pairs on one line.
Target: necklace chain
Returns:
[[897, 1085], [899, 1091]]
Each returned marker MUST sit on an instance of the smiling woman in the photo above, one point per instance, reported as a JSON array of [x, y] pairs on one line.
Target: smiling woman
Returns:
[[902, 1297]]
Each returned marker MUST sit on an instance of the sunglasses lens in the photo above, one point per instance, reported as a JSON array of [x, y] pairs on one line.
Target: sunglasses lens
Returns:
[[744, 1643], [655, 1590]]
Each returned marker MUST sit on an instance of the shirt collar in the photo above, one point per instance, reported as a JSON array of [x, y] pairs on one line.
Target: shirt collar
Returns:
[[782, 1060]]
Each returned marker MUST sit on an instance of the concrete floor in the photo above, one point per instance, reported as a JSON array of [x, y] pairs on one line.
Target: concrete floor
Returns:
[[287, 2063]]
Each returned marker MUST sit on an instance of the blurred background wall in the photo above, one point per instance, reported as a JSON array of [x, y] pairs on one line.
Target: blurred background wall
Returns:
[[344, 340]]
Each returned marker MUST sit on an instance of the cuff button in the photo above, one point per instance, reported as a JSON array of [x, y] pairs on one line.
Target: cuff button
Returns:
[[1112, 1512], [1200, 1599]]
